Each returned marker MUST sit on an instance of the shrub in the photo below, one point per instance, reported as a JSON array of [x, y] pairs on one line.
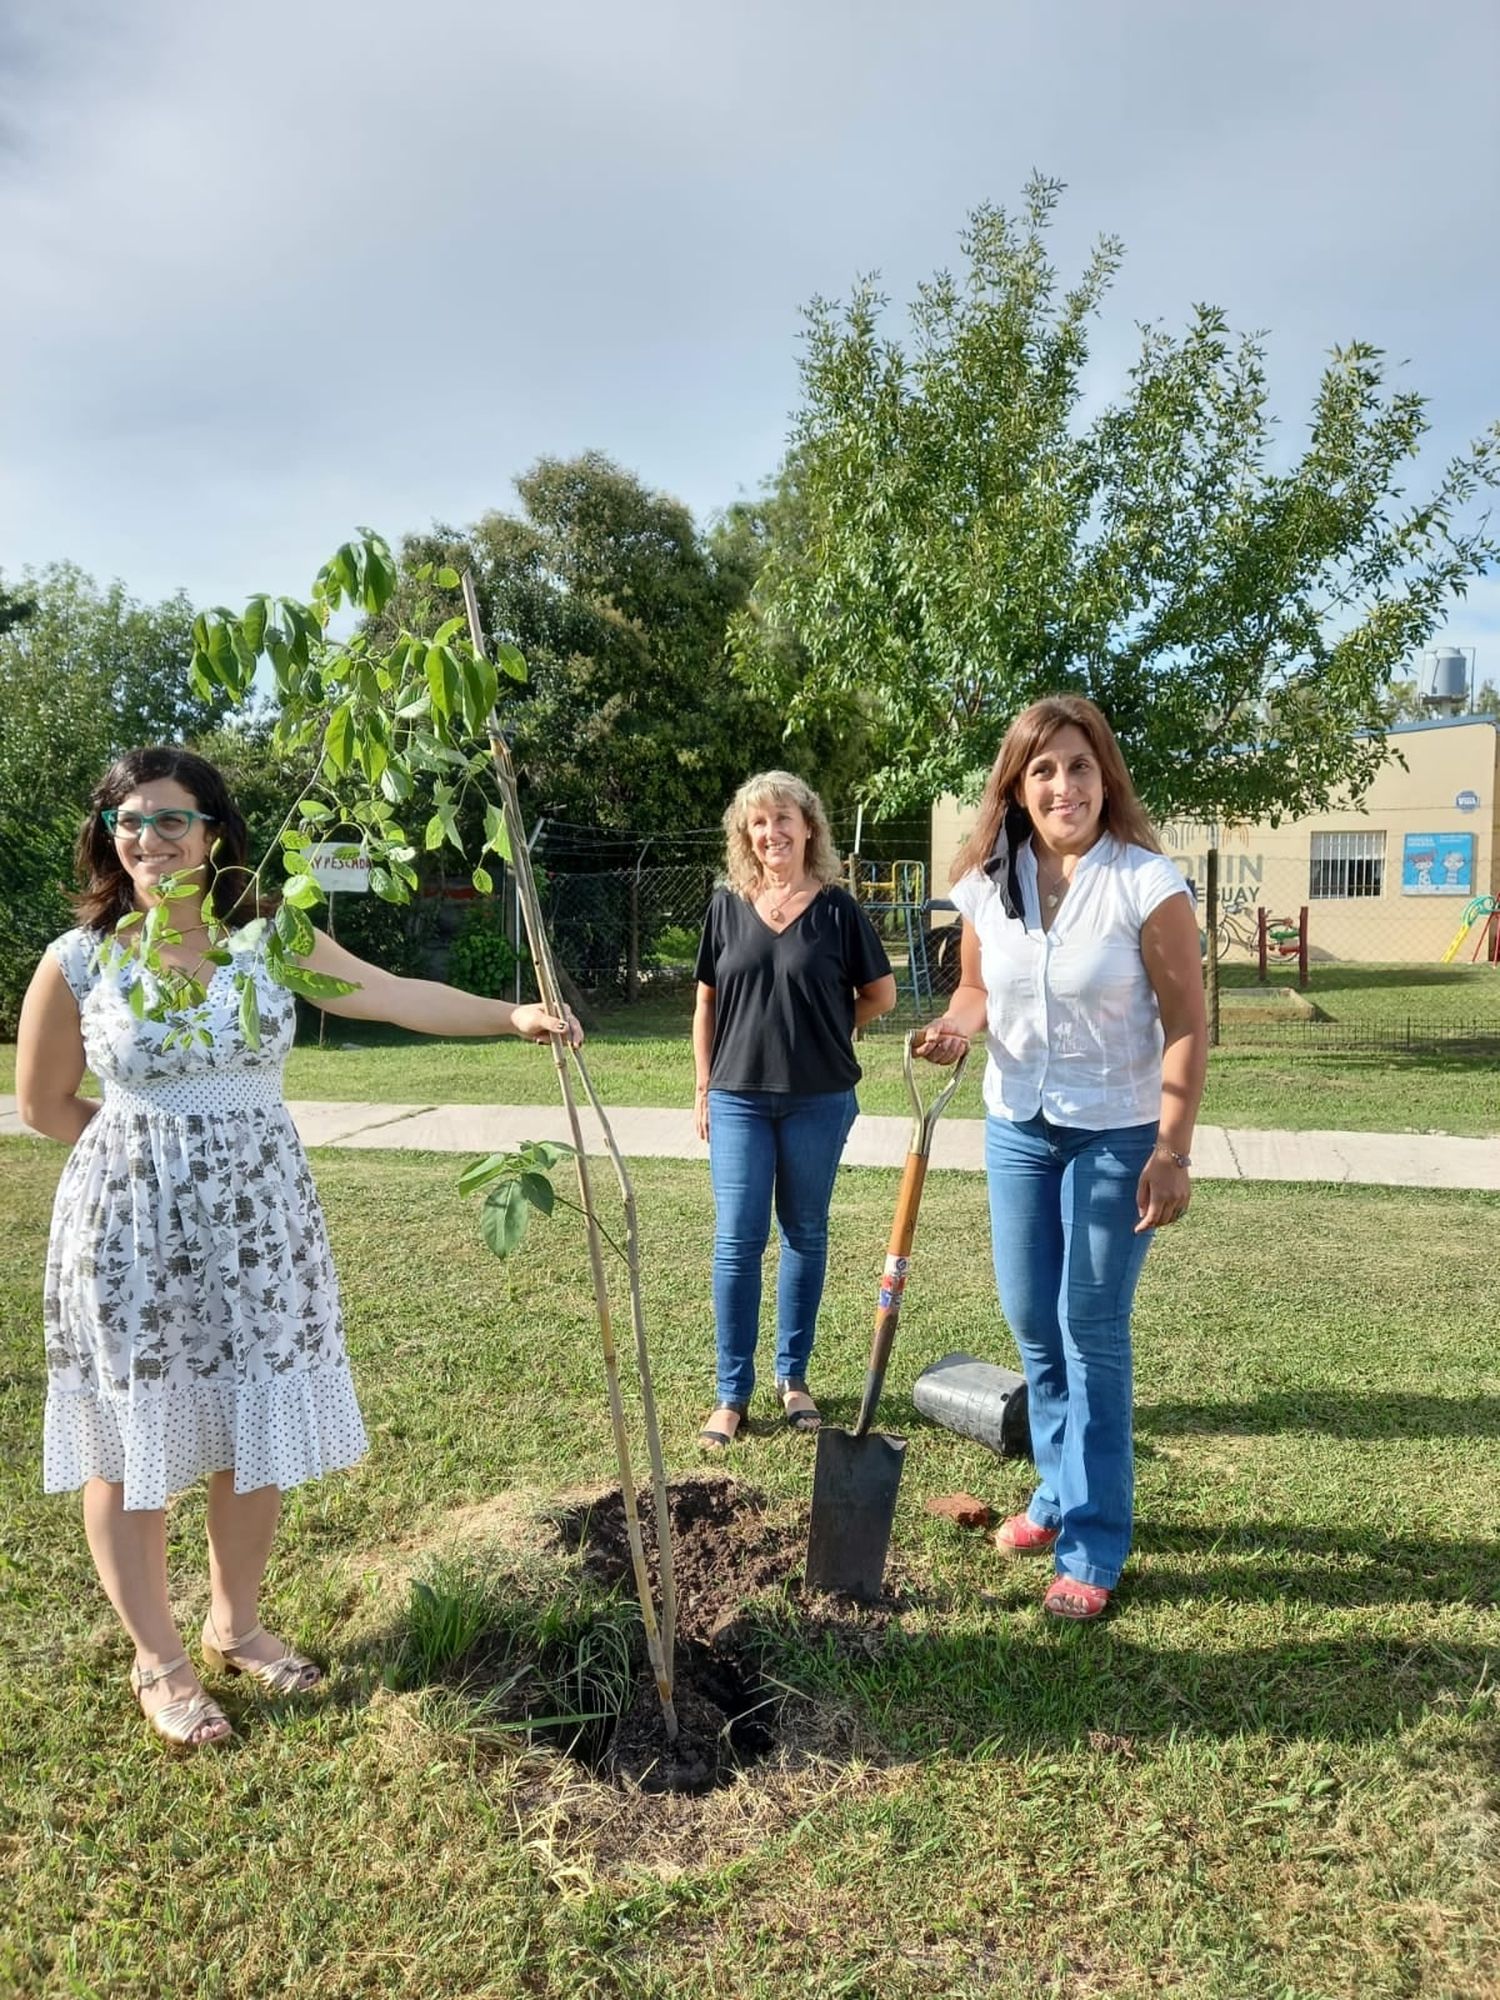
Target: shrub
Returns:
[[676, 945], [34, 909], [482, 959]]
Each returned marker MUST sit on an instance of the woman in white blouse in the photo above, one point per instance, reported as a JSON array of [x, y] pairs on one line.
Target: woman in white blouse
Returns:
[[1080, 963]]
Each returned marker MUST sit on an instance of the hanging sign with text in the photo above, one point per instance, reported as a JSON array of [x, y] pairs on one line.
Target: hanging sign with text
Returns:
[[338, 868]]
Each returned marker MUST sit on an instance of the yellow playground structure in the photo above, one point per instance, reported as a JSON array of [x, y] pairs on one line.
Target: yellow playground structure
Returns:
[[1483, 915]]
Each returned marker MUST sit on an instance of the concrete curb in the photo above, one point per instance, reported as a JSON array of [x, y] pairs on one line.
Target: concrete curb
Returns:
[[1367, 1159]]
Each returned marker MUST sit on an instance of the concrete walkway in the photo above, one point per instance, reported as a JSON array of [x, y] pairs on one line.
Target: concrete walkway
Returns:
[[1371, 1159]]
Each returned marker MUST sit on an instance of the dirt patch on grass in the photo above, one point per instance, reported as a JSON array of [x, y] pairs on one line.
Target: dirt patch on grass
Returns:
[[727, 1549], [542, 1644]]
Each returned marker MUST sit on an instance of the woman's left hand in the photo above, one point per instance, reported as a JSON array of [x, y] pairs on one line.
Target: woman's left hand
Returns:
[[1162, 1193], [534, 1024]]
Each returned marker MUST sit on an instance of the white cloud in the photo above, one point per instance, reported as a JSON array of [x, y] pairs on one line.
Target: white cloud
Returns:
[[273, 271]]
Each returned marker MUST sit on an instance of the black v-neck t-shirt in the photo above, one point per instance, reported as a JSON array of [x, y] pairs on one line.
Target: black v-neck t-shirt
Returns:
[[784, 1000]]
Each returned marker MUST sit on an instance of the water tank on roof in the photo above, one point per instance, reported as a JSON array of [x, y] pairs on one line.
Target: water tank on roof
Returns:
[[1444, 680]]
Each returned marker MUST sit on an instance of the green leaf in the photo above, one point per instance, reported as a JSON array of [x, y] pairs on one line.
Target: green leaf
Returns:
[[257, 611], [438, 681], [436, 833], [249, 1010], [480, 691], [395, 782], [244, 655], [480, 1173], [483, 881], [503, 1218], [338, 741], [448, 579], [302, 892], [372, 752], [138, 998], [387, 886], [542, 1154], [496, 833], [295, 930], [313, 809], [314, 985], [539, 1191], [510, 660]]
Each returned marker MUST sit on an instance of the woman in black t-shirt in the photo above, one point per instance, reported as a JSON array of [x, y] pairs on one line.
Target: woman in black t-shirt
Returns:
[[788, 967]]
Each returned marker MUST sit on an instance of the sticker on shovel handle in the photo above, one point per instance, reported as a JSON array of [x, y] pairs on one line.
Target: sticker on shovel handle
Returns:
[[893, 1284]]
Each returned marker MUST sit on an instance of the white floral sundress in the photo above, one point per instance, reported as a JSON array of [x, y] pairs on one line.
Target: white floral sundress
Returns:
[[191, 1307]]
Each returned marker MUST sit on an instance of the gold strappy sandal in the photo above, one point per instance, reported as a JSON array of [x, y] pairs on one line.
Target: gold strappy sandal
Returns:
[[286, 1675], [178, 1722]]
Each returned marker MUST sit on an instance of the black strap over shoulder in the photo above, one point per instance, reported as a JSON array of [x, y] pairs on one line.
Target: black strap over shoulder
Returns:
[[1003, 867]]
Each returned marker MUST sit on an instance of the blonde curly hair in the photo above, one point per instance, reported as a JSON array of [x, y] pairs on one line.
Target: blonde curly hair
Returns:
[[741, 869]]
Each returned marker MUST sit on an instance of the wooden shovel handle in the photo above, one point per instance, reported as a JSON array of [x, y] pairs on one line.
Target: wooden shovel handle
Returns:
[[892, 1285]]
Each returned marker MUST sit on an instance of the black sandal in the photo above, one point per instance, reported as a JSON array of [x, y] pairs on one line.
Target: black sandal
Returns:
[[711, 1440], [804, 1422]]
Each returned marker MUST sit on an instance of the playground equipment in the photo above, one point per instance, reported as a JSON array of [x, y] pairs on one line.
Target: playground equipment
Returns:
[[1482, 914], [1266, 936], [1286, 939], [894, 897]]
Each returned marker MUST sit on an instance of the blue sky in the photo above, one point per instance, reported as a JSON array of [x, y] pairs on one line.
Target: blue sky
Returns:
[[273, 271]]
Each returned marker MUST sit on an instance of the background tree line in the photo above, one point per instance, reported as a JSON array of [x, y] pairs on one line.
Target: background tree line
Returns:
[[949, 536]]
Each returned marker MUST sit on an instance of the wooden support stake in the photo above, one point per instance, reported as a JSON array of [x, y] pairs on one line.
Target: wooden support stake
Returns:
[[660, 1638]]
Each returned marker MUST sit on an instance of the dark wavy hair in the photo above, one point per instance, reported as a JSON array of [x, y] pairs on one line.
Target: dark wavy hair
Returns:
[[1123, 815], [107, 893]]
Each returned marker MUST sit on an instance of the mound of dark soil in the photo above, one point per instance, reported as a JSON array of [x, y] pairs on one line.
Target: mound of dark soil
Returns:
[[726, 1549]]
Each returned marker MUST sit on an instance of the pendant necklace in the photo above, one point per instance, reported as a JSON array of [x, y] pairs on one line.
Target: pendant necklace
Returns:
[[777, 911]]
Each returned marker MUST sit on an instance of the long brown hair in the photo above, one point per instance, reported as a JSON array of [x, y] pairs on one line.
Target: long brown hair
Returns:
[[1122, 814], [107, 893], [770, 788]]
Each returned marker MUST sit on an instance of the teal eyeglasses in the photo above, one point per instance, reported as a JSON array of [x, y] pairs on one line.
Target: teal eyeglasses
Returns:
[[174, 823]]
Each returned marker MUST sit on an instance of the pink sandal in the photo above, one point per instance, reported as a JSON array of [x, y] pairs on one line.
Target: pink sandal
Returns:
[[1068, 1598], [1020, 1536]]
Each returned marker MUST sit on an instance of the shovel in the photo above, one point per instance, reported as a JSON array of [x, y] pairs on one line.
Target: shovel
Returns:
[[858, 1472]]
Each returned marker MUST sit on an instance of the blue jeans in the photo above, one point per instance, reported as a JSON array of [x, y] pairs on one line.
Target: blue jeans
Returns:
[[1062, 1221], [763, 1143]]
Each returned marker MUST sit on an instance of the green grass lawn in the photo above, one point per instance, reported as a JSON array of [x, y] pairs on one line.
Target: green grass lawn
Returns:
[[1281, 1088], [642, 1056], [1376, 997], [1272, 1773]]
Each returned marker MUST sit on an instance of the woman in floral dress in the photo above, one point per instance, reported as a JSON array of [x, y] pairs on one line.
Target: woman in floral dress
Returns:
[[192, 1311]]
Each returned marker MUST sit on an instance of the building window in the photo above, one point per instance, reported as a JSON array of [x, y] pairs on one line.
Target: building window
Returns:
[[1346, 864]]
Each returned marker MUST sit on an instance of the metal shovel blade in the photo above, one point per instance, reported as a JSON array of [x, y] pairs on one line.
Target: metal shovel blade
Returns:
[[855, 1482]]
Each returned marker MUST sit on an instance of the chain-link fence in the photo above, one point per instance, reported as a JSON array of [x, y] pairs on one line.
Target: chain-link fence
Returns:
[[627, 935]]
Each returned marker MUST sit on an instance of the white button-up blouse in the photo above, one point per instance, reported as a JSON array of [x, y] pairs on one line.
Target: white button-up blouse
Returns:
[[1074, 1030]]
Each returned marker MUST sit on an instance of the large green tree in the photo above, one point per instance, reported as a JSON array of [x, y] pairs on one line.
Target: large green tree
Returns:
[[14, 608], [84, 674], [969, 537], [634, 716]]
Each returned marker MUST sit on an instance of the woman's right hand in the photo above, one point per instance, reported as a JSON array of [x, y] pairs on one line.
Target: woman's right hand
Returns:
[[941, 1042], [700, 1111]]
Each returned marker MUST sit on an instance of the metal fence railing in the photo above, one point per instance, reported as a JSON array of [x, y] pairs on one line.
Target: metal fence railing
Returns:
[[628, 936], [626, 933]]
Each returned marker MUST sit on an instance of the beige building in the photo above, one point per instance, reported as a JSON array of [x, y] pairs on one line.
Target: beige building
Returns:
[[1388, 883]]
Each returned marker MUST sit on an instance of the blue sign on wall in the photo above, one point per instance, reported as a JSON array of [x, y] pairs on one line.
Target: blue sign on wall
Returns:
[[1438, 864], [1467, 802]]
